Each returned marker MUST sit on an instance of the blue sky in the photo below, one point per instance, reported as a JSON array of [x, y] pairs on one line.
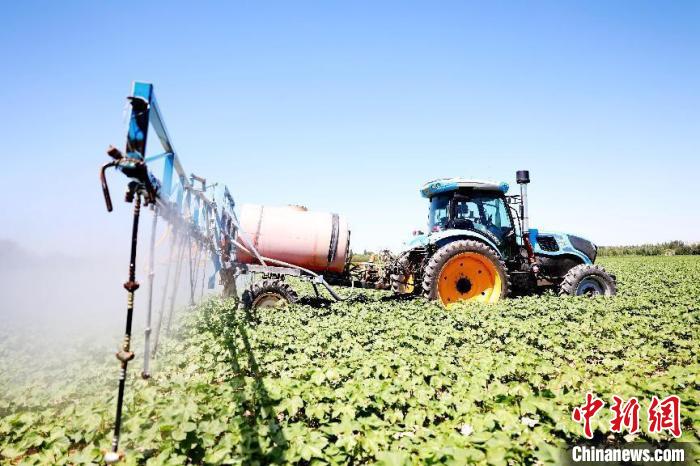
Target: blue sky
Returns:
[[351, 106]]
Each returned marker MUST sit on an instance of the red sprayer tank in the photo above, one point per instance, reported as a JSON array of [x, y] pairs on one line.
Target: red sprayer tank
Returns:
[[317, 241]]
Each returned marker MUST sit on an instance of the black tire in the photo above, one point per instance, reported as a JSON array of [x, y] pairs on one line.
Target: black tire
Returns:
[[268, 293], [587, 280], [441, 257]]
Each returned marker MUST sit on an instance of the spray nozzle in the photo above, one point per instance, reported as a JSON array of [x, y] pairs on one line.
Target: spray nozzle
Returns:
[[105, 187]]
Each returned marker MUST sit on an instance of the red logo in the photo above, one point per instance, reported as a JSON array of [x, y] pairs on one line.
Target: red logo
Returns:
[[665, 415], [586, 413], [626, 415]]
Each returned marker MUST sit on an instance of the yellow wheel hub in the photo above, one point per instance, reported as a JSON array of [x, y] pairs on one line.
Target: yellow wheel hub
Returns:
[[469, 276]]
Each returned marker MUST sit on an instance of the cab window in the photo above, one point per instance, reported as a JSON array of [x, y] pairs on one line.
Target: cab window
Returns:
[[488, 213], [439, 213]]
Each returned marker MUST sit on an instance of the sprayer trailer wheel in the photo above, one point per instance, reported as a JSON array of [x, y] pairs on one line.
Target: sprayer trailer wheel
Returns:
[[268, 293], [466, 270]]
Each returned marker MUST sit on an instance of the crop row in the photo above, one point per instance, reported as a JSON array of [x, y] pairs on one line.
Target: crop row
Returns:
[[376, 379]]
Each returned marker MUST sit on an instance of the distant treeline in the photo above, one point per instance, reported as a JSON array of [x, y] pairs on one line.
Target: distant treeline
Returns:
[[672, 248], [364, 256]]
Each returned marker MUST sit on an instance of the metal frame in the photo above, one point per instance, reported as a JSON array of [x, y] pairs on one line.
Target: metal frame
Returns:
[[194, 216], [179, 202]]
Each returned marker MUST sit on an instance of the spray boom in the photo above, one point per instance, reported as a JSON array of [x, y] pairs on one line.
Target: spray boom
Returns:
[[198, 224]]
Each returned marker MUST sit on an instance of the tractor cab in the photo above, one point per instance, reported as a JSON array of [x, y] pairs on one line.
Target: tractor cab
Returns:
[[478, 206]]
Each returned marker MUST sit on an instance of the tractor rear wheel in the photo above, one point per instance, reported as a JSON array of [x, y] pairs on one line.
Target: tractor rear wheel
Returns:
[[466, 270], [268, 293], [587, 280]]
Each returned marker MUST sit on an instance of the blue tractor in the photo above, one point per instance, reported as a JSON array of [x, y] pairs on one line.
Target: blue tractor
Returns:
[[479, 246]]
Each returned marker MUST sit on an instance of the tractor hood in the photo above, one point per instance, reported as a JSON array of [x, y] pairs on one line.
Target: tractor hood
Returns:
[[544, 243], [554, 243]]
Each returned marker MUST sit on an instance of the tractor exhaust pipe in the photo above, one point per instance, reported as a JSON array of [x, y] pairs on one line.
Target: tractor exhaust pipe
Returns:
[[522, 177]]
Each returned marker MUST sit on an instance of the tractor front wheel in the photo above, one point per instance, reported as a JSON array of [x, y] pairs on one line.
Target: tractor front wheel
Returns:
[[466, 270], [588, 280]]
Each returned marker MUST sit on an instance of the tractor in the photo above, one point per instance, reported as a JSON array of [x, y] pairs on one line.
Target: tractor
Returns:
[[479, 246]]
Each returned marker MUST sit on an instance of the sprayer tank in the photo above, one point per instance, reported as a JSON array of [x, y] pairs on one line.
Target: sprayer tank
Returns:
[[317, 241]]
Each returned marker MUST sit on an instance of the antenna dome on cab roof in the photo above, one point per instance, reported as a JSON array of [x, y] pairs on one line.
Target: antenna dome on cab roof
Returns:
[[444, 185]]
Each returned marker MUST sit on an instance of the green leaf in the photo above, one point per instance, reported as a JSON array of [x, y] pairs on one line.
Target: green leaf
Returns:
[[393, 458]]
